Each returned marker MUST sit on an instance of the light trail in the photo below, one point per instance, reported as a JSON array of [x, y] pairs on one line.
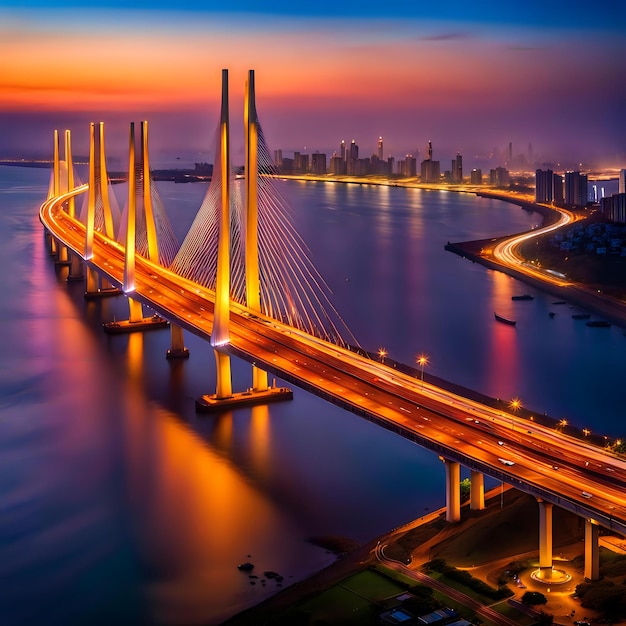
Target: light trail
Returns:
[[546, 463], [507, 251]]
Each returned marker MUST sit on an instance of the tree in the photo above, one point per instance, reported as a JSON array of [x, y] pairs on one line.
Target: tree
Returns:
[[533, 598], [465, 489]]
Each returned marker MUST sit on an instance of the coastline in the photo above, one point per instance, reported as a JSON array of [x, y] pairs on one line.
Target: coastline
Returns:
[[613, 309]]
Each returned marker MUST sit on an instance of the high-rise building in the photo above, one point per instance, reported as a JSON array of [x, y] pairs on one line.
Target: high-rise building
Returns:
[[409, 167], [544, 186], [509, 158], [457, 169], [476, 176], [318, 163], [430, 171], [343, 150], [622, 181], [576, 192], [278, 158], [499, 177], [429, 152], [354, 151], [557, 190], [337, 165], [380, 148], [614, 208]]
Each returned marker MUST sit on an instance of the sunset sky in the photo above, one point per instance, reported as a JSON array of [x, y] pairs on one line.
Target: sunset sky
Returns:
[[467, 76]]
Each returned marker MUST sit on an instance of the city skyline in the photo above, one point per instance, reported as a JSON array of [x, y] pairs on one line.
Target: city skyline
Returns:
[[477, 80]]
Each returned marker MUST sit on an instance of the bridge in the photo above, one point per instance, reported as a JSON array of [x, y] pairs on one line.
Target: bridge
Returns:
[[555, 468]]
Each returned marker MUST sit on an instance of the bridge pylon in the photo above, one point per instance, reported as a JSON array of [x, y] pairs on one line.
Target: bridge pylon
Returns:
[[220, 335], [53, 190], [136, 320], [253, 282], [75, 261], [95, 284]]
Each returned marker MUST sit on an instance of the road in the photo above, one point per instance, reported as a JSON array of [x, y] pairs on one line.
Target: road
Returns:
[[568, 472]]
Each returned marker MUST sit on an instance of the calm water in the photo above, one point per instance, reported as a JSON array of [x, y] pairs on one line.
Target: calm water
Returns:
[[118, 504]]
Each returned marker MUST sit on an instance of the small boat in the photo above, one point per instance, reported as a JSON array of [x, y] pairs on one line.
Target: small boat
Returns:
[[552, 314], [559, 302], [581, 316], [598, 324], [499, 318], [245, 567], [525, 296]]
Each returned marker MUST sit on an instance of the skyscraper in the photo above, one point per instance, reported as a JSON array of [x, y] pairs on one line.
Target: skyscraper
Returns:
[[354, 151], [622, 181], [576, 193], [544, 186], [343, 150], [457, 169], [380, 148]]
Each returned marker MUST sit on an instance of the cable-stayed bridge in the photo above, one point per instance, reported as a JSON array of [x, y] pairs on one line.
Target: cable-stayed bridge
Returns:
[[242, 280]]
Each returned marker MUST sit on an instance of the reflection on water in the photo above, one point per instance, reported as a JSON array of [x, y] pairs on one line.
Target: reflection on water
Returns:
[[119, 504]]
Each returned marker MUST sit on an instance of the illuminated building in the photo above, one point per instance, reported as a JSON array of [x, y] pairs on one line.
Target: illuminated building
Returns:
[[557, 190], [430, 170], [354, 151], [476, 176], [380, 148], [499, 177], [622, 181], [408, 167], [544, 186], [457, 169], [576, 193]]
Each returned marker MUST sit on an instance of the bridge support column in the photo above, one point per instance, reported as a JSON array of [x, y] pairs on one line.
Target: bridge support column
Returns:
[[53, 245], [545, 535], [177, 349], [453, 490], [92, 282], [477, 491], [592, 550], [76, 268], [224, 387]]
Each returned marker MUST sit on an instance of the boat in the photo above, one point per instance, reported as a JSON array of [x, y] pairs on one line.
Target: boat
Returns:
[[552, 314], [598, 324], [581, 316], [525, 296], [499, 318], [559, 302], [245, 567]]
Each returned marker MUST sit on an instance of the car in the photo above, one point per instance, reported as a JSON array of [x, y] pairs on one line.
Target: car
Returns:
[[500, 443], [506, 462], [586, 494]]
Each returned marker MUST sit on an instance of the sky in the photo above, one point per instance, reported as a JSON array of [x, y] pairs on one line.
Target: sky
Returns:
[[468, 76]]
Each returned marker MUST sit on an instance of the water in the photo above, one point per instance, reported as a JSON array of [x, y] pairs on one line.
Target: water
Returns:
[[118, 504]]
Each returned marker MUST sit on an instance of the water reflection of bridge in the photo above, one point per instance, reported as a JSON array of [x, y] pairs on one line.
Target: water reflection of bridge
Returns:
[[242, 281]]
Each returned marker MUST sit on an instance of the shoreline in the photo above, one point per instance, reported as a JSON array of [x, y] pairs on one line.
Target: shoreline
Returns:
[[577, 294]]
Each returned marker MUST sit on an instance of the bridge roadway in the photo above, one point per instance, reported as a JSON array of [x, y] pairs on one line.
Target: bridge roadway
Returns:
[[567, 472]]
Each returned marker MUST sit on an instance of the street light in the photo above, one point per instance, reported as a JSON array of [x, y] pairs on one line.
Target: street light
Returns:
[[422, 360], [515, 405], [382, 353], [562, 423]]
